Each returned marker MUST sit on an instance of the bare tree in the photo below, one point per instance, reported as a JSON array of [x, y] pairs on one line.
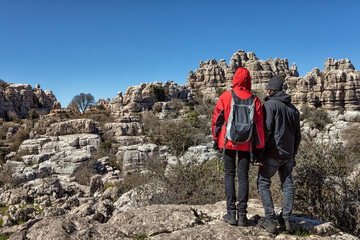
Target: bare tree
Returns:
[[83, 101]]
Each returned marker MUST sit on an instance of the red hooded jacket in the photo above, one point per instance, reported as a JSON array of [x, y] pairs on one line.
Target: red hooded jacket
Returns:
[[241, 87]]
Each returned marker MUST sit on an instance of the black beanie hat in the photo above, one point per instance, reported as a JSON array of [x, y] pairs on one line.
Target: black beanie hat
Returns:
[[275, 83]]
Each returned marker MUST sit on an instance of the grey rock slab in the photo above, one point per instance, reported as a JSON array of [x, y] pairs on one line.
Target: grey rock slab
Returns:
[[216, 230], [155, 219]]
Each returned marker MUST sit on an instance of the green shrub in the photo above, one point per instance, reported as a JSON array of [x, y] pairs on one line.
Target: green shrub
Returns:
[[141, 236], [3, 153], [100, 107], [158, 92], [305, 113], [18, 138], [176, 104], [178, 135], [318, 117], [84, 173], [6, 176], [193, 118], [33, 114], [323, 188], [197, 184], [4, 236], [135, 179], [105, 146]]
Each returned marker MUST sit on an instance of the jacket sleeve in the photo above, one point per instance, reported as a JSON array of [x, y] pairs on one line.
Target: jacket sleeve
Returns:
[[259, 124], [297, 134], [218, 119], [269, 121]]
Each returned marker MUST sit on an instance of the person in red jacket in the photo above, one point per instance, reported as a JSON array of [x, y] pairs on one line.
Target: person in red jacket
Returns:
[[241, 87]]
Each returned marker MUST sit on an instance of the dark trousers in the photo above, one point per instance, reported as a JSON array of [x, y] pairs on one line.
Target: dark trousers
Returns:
[[266, 172], [243, 181]]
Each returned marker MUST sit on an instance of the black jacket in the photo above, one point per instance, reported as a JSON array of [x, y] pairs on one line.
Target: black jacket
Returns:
[[281, 127]]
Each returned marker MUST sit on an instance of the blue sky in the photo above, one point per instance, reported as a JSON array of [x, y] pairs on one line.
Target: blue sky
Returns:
[[102, 47]]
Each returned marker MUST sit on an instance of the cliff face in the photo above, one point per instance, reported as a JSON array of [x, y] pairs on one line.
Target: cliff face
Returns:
[[334, 88], [18, 99]]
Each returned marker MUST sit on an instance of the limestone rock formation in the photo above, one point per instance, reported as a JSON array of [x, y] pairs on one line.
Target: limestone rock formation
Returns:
[[126, 126], [199, 154], [53, 155], [135, 157], [72, 127], [335, 88], [142, 98], [212, 74], [18, 99]]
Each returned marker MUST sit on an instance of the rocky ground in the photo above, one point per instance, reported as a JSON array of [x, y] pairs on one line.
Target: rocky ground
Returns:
[[48, 202], [162, 222]]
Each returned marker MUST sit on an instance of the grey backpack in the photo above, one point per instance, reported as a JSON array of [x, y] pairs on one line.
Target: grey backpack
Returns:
[[239, 128]]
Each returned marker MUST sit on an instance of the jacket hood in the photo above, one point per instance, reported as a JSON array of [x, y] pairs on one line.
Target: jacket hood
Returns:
[[242, 79], [280, 96]]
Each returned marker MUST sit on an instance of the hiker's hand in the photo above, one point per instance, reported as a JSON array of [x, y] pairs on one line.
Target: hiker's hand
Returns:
[[216, 145], [256, 161], [258, 157]]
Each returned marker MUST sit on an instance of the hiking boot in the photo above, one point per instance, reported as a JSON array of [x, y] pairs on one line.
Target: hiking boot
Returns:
[[285, 222], [230, 218], [288, 226], [268, 224], [242, 220]]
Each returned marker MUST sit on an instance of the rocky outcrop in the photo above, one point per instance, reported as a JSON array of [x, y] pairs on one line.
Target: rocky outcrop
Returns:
[[212, 74], [126, 130], [72, 127], [18, 99], [61, 155], [334, 89], [65, 148], [136, 157], [142, 98], [199, 154]]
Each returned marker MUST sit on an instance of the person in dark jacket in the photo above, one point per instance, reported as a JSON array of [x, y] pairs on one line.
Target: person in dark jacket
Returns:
[[282, 139], [241, 87]]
